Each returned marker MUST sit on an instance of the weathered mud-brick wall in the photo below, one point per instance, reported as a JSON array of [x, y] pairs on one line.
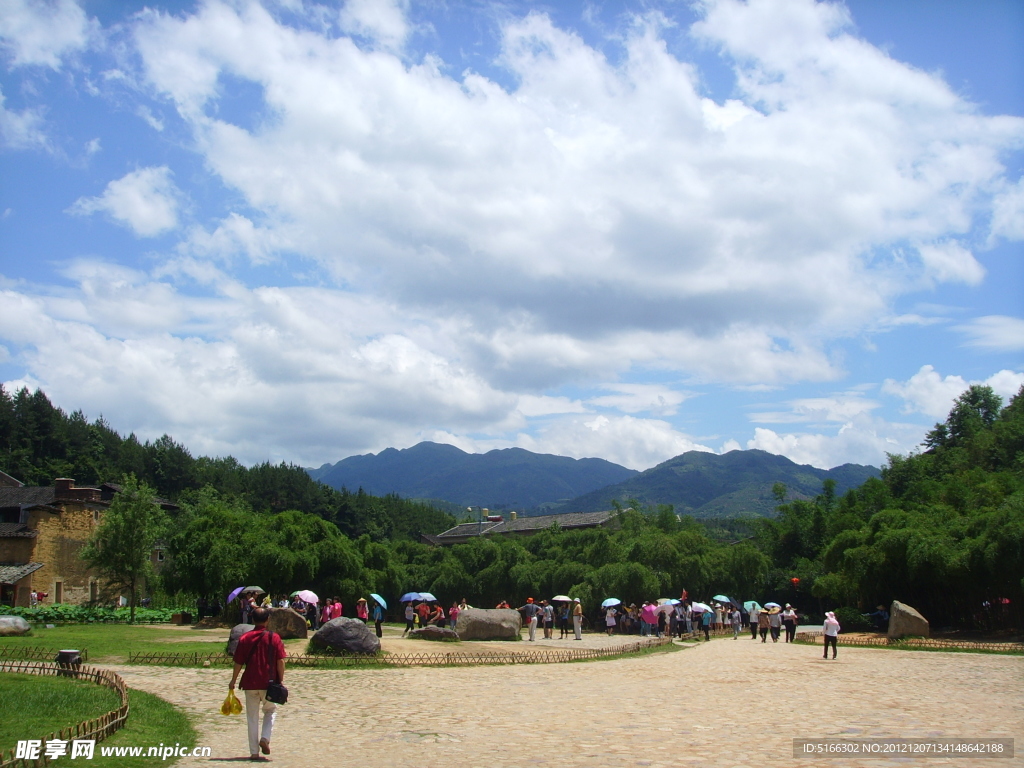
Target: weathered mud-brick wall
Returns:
[[64, 575]]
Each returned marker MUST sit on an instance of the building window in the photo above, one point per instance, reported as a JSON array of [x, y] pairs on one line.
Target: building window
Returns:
[[159, 555], [58, 592], [95, 515], [94, 591]]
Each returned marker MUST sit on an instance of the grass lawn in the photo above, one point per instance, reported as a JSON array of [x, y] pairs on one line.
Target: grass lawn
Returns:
[[111, 643], [32, 706]]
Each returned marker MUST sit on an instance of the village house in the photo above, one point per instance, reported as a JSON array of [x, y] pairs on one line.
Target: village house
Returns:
[[42, 532], [497, 525]]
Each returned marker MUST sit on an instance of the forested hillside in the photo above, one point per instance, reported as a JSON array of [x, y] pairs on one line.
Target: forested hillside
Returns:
[[942, 530], [40, 442]]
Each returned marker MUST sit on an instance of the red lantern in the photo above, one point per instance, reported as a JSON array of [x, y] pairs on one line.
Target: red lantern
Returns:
[[794, 581]]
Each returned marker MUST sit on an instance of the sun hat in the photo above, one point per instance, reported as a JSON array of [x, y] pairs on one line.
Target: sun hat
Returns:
[[529, 599], [576, 600]]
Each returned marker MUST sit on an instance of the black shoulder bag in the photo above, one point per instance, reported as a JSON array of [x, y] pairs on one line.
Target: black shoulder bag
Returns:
[[276, 692]]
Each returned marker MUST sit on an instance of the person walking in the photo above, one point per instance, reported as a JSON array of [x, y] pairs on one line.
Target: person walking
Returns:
[[378, 618], [763, 625], [549, 619], [737, 622], [775, 624], [831, 634], [362, 610], [577, 618], [262, 654], [529, 612], [610, 615], [754, 613], [789, 620], [410, 618], [563, 620]]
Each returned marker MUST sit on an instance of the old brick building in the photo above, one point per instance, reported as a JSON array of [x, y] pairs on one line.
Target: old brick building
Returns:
[[42, 532]]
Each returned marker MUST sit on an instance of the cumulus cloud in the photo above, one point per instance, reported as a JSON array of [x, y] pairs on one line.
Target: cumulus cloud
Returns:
[[42, 32], [380, 20], [146, 201], [932, 394], [597, 199], [1008, 213], [861, 441], [656, 399]]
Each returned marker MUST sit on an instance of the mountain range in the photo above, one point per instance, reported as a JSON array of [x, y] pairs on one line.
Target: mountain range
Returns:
[[696, 483], [510, 478]]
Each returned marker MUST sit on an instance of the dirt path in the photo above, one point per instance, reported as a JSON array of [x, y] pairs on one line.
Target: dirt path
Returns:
[[725, 703]]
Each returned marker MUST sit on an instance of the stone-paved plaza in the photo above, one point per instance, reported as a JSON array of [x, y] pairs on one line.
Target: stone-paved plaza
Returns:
[[723, 703]]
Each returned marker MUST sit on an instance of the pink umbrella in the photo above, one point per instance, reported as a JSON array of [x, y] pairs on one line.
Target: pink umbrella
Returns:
[[307, 596], [650, 614]]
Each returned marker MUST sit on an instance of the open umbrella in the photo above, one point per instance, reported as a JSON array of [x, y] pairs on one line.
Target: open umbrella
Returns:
[[561, 599], [663, 600], [610, 602], [649, 614], [307, 596], [379, 599], [235, 593], [409, 597], [428, 597], [722, 599], [247, 590], [772, 605], [669, 606], [700, 607], [750, 605]]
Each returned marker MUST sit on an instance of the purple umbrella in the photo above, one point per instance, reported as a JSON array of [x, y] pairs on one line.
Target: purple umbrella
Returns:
[[235, 593]]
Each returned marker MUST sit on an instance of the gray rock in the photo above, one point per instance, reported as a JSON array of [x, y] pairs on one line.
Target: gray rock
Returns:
[[904, 620], [348, 635], [287, 623], [489, 624], [13, 625], [435, 633], [236, 632]]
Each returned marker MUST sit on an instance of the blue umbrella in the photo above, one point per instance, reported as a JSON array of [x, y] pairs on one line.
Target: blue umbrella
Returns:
[[428, 597], [610, 602], [235, 593], [409, 597], [379, 599], [751, 605]]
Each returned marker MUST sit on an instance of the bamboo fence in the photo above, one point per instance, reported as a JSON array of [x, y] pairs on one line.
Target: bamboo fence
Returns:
[[98, 728], [936, 644], [443, 658], [33, 653]]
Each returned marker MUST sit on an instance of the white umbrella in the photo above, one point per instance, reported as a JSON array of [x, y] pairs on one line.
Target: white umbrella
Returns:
[[610, 602], [561, 599], [772, 605], [700, 607]]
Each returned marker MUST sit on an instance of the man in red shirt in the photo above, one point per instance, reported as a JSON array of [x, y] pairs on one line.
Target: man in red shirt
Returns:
[[262, 654]]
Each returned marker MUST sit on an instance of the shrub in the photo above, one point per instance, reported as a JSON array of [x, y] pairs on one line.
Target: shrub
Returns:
[[87, 614], [851, 621]]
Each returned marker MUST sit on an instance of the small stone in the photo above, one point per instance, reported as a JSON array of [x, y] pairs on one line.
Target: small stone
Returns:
[[435, 633], [236, 633]]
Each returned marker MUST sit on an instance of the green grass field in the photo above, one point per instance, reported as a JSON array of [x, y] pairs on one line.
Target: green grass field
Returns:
[[32, 706], [111, 643]]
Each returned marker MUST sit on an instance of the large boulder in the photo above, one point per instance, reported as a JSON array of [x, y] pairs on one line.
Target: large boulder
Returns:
[[435, 633], [287, 623], [904, 620], [13, 625], [348, 635], [488, 624], [236, 633]]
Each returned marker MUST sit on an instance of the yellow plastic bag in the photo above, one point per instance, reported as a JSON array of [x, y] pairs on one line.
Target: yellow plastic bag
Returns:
[[231, 705]]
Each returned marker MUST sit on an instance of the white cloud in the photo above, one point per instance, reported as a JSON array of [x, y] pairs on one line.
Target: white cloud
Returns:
[[997, 333], [841, 408], [381, 20], [1008, 213], [21, 130], [602, 210], [43, 31], [928, 392], [145, 200], [861, 441], [656, 399]]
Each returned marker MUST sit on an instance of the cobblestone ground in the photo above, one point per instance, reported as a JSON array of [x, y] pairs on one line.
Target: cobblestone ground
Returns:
[[724, 703]]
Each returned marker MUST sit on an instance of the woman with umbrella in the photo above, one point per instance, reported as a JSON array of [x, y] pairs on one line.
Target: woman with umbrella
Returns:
[[378, 613]]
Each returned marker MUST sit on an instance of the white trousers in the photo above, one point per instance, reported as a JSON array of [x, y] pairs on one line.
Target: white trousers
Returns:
[[577, 625], [253, 699], [533, 628]]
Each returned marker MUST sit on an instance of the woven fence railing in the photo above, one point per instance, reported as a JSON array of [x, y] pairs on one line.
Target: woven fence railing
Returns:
[[441, 658], [96, 728], [33, 653], [814, 638]]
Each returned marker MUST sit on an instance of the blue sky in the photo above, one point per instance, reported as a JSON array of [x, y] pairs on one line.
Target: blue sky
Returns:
[[298, 231]]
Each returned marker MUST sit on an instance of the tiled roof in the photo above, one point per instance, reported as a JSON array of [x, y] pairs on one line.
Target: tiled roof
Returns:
[[12, 573], [27, 496], [17, 530], [522, 524]]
